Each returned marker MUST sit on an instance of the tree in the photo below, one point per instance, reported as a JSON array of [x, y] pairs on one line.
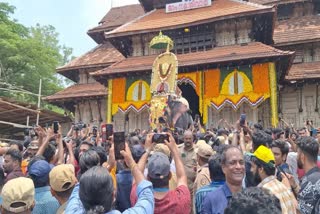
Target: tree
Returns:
[[28, 54]]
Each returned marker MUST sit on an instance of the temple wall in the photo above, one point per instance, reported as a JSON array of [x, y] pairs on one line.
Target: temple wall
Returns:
[[289, 100], [290, 104], [261, 113], [136, 121], [286, 11], [224, 33], [91, 115], [305, 52]]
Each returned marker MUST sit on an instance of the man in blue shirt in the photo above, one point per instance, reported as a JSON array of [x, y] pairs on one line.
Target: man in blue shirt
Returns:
[[232, 163], [39, 173], [217, 180], [124, 184]]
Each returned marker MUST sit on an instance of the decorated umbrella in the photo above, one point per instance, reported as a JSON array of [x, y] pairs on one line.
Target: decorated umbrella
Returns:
[[161, 42]]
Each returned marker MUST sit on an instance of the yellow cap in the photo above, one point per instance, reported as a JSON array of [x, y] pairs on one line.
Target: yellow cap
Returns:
[[264, 154], [18, 190], [62, 177]]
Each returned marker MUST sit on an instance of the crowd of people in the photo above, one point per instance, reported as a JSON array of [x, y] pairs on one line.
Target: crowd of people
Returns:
[[232, 169]]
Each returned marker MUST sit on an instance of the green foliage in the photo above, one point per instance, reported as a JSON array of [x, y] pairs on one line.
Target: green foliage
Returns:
[[28, 55]]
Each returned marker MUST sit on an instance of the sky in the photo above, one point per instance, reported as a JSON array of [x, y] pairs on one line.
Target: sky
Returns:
[[71, 18]]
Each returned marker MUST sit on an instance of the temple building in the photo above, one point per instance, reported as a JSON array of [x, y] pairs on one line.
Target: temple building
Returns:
[[298, 29], [234, 57]]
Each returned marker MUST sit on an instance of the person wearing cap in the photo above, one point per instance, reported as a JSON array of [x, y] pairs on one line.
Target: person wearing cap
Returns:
[[18, 196], [12, 164], [32, 149], [165, 150], [189, 158], [217, 180], [38, 170], [175, 201], [204, 152], [232, 164], [263, 169], [62, 181]]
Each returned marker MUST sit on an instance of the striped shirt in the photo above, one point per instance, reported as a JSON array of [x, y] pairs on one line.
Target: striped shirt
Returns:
[[286, 197], [202, 192]]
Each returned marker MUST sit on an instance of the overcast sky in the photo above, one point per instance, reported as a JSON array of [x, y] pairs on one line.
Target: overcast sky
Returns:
[[71, 18]]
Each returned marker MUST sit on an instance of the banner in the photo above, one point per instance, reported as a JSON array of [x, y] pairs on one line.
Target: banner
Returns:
[[131, 93], [234, 85]]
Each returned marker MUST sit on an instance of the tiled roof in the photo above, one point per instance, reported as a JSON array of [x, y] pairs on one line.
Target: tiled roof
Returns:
[[79, 90], [102, 55], [271, 2], [13, 111], [158, 19], [217, 55], [299, 30], [118, 16], [307, 70]]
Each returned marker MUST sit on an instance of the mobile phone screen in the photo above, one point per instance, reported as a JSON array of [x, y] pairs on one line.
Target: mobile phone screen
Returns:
[[55, 127], [243, 119], [160, 138], [109, 130], [119, 144]]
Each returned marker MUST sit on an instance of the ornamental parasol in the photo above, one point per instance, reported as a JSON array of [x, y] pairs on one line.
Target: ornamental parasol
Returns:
[[161, 42]]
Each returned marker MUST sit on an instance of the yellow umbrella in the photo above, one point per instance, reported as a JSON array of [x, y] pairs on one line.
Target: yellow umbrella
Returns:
[[161, 42]]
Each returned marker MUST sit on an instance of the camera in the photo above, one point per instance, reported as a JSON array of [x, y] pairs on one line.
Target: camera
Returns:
[[159, 138], [94, 131], [79, 126]]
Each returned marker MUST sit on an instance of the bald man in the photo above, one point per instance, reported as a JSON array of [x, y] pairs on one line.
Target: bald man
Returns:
[[189, 158]]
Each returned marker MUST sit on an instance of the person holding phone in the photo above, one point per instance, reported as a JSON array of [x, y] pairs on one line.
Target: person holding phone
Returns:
[[178, 200], [280, 150], [96, 192], [263, 169]]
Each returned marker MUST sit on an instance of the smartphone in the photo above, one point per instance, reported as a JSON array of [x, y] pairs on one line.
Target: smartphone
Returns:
[[94, 131], [109, 130], [197, 118], [242, 120], [281, 170], [159, 138], [55, 127], [119, 144]]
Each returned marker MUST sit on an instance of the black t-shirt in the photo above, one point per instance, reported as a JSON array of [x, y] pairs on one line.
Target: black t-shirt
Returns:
[[309, 195]]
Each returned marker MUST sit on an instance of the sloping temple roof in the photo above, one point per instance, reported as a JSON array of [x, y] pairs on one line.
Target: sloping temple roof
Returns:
[[217, 55], [307, 70], [158, 19], [101, 56], [296, 31], [79, 91]]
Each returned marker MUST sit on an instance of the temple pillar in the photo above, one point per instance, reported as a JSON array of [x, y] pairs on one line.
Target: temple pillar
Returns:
[[109, 102], [273, 94]]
